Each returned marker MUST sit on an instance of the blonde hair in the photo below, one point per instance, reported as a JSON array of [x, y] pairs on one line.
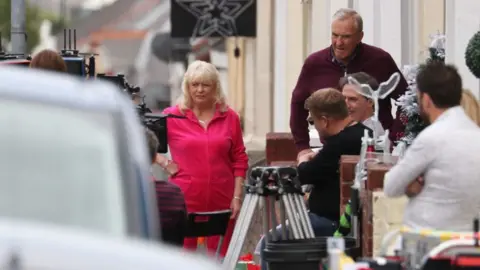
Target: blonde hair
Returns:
[[201, 71], [471, 106]]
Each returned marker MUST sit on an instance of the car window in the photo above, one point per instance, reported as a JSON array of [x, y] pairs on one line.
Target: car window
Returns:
[[60, 165]]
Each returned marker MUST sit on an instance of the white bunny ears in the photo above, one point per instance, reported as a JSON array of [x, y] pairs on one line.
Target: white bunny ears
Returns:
[[384, 89]]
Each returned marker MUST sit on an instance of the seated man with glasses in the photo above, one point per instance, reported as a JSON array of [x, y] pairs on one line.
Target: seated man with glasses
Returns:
[[341, 136]]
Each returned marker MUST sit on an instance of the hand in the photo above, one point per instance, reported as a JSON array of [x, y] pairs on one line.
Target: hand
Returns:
[[303, 152], [306, 157], [235, 207], [414, 188], [169, 166], [306, 196]]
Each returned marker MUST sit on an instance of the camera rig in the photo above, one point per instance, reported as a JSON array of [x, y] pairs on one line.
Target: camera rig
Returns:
[[13, 59], [156, 122], [75, 60]]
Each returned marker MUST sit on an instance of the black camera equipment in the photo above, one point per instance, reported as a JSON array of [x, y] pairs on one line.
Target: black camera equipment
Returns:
[[118, 80], [75, 60], [156, 122], [13, 59]]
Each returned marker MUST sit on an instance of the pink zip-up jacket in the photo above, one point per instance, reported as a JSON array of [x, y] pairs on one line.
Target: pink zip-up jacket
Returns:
[[208, 158]]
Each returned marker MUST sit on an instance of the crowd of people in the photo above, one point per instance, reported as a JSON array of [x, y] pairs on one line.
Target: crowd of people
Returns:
[[208, 163]]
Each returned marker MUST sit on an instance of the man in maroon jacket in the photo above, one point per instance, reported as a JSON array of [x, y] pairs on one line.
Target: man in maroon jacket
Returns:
[[346, 55], [170, 201]]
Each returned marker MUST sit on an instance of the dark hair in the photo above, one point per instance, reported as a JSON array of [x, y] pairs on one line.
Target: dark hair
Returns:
[[441, 82], [327, 102], [49, 60], [361, 77], [152, 143]]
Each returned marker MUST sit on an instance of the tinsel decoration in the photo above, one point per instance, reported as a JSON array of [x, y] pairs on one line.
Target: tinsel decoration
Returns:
[[472, 55], [410, 110]]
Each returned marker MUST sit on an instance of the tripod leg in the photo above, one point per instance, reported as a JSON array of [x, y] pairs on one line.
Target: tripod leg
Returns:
[[307, 218], [291, 217], [304, 219], [273, 217], [242, 216], [219, 246], [241, 228], [265, 219], [282, 220], [296, 221]]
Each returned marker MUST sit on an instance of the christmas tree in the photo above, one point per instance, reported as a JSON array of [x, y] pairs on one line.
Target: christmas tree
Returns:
[[472, 55], [410, 110]]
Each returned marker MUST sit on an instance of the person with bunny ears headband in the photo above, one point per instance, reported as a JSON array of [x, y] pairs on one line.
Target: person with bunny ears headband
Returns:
[[360, 107]]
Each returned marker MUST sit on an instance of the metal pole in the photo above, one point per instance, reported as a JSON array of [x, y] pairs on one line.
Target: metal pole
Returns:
[[18, 34]]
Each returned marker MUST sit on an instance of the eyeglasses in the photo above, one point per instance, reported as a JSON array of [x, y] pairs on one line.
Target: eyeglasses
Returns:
[[310, 119]]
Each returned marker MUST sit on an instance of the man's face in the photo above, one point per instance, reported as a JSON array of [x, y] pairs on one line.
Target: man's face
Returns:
[[345, 37], [359, 107], [320, 123], [423, 104]]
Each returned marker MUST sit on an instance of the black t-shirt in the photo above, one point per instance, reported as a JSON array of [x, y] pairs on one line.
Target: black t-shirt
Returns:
[[323, 170]]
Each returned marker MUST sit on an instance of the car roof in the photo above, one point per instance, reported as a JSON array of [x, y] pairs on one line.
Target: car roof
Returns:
[[57, 89], [41, 246], [63, 89]]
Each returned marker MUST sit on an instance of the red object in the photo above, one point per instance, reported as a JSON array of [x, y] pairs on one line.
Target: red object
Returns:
[[394, 258], [371, 149], [208, 161], [467, 261], [16, 62], [246, 258]]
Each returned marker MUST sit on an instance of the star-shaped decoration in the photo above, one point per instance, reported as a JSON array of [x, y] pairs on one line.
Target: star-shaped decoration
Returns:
[[215, 16]]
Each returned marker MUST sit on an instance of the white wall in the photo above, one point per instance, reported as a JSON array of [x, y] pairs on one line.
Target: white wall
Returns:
[[259, 71], [462, 22], [280, 95], [220, 60]]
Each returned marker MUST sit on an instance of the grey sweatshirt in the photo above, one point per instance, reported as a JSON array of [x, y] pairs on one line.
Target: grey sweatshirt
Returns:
[[447, 154]]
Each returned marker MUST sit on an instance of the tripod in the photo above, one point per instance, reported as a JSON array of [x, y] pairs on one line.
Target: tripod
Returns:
[[267, 185]]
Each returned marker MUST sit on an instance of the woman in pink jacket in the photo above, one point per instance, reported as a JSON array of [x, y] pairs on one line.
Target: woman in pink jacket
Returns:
[[209, 162]]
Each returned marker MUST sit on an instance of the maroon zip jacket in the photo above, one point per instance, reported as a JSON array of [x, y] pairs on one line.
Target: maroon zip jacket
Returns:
[[173, 212], [322, 70]]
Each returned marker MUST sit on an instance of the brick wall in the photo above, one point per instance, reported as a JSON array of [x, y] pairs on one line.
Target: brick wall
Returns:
[[280, 147], [375, 174], [347, 175]]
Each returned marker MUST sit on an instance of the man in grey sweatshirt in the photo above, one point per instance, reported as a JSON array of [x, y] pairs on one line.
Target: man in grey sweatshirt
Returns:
[[440, 171]]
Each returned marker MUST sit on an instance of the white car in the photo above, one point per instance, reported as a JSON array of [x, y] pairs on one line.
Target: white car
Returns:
[[73, 153], [31, 246]]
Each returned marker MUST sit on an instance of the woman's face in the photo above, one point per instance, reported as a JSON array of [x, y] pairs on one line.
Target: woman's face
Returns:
[[202, 92]]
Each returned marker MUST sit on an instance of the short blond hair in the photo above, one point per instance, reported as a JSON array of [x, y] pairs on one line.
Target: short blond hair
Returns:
[[327, 102], [201, 71], [470, 105]]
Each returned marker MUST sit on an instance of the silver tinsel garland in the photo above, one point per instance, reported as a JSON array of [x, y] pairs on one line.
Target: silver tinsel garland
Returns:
[[408, 102]]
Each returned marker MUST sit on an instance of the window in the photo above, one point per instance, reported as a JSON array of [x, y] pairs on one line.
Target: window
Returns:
[[61, 166]]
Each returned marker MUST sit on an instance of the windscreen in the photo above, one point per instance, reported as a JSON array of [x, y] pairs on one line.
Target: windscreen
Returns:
[[61, 166]]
